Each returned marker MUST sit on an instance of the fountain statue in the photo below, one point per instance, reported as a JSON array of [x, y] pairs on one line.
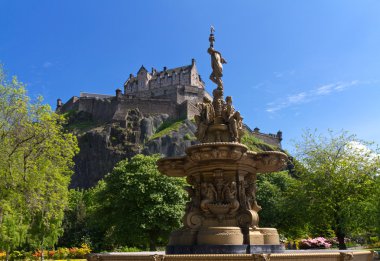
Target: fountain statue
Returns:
[[222, 214]]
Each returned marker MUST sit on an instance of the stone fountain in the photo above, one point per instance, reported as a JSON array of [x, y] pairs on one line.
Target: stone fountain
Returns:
[[222, 214]]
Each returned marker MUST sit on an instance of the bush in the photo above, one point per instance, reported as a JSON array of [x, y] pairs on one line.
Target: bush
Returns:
[[127, 249], [61, 253], [84, 250], [64, 253]]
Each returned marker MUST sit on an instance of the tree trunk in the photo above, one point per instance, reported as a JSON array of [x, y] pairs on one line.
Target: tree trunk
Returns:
[[42, 254], [152, 243], [7, 255], [339, 231], [1, 215], [340, 236]]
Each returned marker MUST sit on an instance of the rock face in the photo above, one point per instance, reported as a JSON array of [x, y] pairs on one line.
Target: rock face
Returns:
[[102, 145]]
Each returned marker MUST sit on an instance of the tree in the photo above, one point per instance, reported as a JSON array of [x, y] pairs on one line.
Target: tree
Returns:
[[282, 206], [75, 220], [337, 179], [136, 204], [35, 168]]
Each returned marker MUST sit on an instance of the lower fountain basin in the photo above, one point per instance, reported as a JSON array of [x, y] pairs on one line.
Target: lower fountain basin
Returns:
[[287, 255]]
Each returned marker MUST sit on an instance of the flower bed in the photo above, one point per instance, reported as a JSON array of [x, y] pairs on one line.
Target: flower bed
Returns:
[[61, 253], [315, 243]]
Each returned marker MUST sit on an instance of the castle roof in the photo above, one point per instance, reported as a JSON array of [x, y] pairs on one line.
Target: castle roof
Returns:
[[170, 72], [142, 68], [160, 74]]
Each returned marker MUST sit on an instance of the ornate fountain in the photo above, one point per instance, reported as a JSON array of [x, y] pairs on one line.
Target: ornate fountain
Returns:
[[222, 214]]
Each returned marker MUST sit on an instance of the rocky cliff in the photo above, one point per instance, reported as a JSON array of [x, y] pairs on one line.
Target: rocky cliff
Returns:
[[103, 144]]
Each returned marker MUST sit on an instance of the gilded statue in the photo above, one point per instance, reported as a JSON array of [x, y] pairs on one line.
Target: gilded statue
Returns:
[[217, 62], [205, 118], [233, 118]]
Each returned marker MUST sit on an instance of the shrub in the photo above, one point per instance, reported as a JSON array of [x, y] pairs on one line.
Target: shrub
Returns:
[[16, 255], [84, 250], [37, 254], [62, 253], [127, 249], [73, 252]]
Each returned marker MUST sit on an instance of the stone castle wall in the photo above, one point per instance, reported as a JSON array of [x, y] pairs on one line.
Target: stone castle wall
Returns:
[[150, 106], [104, 110], [272, 139]]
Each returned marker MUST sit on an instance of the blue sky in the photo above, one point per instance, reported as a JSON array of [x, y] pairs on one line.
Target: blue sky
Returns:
[[292, 64]]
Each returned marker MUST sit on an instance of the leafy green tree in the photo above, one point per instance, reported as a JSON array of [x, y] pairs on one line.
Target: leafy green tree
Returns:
[[35, 168], [137, 205], [338, 180], [75, 223], [282, 206]]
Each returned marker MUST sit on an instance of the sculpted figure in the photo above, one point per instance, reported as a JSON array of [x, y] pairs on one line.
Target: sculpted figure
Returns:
[[191, 194], [208, 195], [205, 117], [218, 103], [251, 197], [233, 118], [229, 192], [217, 62]]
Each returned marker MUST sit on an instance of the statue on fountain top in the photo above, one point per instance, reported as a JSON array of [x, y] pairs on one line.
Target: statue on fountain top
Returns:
[[218, 121], [217, 62]]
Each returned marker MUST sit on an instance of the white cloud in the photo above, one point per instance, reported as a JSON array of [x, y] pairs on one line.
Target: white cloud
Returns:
[[325, 89], [343, 86], [298, 98], [259, 85], [284, 73], [358, 148], [47, 64], [278, 74], [289, 100], [304, 97]]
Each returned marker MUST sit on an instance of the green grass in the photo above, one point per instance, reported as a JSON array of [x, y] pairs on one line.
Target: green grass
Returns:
[[166, 128], [189, 136], [81, 125], [255, 144], [78, 125]]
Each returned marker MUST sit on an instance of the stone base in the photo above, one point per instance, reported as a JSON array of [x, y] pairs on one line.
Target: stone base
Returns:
[[224, 249], [230, 236]]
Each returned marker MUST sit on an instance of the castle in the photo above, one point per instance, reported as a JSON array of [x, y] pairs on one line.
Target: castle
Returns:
[[174, 92], [171, 91]]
